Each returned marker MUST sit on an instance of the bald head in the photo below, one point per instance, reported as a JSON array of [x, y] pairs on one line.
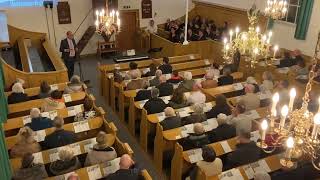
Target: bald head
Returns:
[[73, 176], [126, 162], [249, 88], [162, 79], [169, 111]]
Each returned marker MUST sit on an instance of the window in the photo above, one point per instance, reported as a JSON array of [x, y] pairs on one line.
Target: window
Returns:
[[21, 3], [292, 13]]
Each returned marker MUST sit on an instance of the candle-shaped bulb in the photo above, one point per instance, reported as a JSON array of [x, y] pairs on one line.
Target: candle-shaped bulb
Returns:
[[275, 98], [102, 12], [113, 12], [276, 48], [237, 29], [225, 40], [290, 142], [117, 13], [258, 29], [284, 111], [97, 13], [316, 124], [270, 34], [293, 93], [118, 22], [256, 51], [264, 125], [317, 119], [231, 33], [97, 23]]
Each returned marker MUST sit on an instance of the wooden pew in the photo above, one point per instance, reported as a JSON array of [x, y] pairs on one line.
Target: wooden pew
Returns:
[[201, 65], [105, 70], [165, 140], [23, 108], [88, 140], [35, 90]]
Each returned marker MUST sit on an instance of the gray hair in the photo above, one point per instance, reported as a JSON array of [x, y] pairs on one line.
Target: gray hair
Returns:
[[158, 73], [17, 88], [187, 75], [198, 108], [155, 92], [34, 113], [75, 79], [169, 111]]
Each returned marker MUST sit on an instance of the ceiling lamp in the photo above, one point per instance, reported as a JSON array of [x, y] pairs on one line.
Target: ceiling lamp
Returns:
[[297, 130], [107, 22], [276, 9]]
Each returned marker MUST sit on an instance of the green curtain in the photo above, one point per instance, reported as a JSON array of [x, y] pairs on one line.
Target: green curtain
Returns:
[[303, 19], [270, 24], [5, 170]]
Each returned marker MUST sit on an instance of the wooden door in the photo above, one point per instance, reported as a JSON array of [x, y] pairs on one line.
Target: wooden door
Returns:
[[128, 31]]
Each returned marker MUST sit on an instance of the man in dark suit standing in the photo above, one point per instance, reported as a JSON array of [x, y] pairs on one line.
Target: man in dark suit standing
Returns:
[[68, 48]]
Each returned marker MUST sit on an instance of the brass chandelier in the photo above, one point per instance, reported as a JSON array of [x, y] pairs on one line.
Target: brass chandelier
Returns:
[[107, 22], [300, 135], [276, 9], [253, 44]]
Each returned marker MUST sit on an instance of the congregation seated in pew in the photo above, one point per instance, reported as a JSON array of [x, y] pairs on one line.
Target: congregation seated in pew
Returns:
[[178, 99], [144, 93], [175, 77], [171, 120], [30, 170], [25, 143], [156, 80], [67, 162], [75, 85], [198, 115], [88, 111], [226, 78], [210, 165], [196, 96], [133, 71], [250, 100], [136, 82], [187, 83], [197, 139], [154, 104], [165, 67], [54, 102], [59, 137], [223, 131], [221, 107], [101, 152], [267, 83], [165, 88], [17, 94], [240, 120], [45, 90], [37, 121], [209, 81]]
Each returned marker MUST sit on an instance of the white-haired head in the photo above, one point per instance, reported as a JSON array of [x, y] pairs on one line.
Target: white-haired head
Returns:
[[169, 111], [35, 113], [187, 75], [221, 119], [17, 88], [158, 73]]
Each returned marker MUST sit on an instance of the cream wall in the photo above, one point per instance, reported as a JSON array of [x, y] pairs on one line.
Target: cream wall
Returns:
[[34, 19], [284, 32]]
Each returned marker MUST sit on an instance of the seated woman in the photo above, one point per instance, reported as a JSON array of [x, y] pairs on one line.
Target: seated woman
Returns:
[[226, 79], [252, 80], [177, 100], [210, 165], [136, 82], [117, 76], [172, 120], [196, 139], [221, 107], [45, 90], [30, 170], [88, 111], [267, 83], [17, 94], [133, 71], [209, 82], [197, 116], [37, 121], [187, 83], [152, 70], [67, 162], [54, 102], [75, 85], [101, 152], [25, 143]]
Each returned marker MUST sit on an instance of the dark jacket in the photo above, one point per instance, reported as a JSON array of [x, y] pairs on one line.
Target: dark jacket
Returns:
[[165, 68], [35, 172], [65, 45], [40, 123], [185, 86], [194, 118], [142, 95], [287, 62], [216, 110], [174, 80], [165, 89], [126, 174], [175, 105], [195, 141], [59, 138], [17, 97], [154, 105], [225, 80], [62, 167], [154, 82], [171, 122], [44, 95], [222, 132], [244, 154]]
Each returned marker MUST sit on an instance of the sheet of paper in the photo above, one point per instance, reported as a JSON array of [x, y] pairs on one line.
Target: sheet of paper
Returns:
[[257, 167], [265, 95], [189, 128], [110, 75], [38, 157], [76, 149], [78, 108], [225, 146], [161, 116], [71, 111], [88, 145], [111, 167], [67, 98], [195, 157], [40, 135], [54, 87], [54, 156], [183, 134], [208, 107], [45, 114], [77, 127], [85, 125], [238, 86], [210, 124], [168, 76], [254, 114], [255, 135], [94, 172], [191, 57], [144, 71], [264, 164], [187, 94], [116, 66], [26, 120], [249, 171], [184, 114], [53, 114], [142, 103]]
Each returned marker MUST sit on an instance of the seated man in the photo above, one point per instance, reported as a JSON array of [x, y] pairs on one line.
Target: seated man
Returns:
[[171, 121], [37, 121], [196, 139], [250, 100], [136, 82], [66, 163], [155, 104], [143, 93], [128, 170], [197, 116], [75, 85], [246, 151], [59, 137], [165, 88], [226, 78], [166, 67], [17, 94], [156, 81], [196, 96], [223, 131], [221, 106], [54, 102]]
